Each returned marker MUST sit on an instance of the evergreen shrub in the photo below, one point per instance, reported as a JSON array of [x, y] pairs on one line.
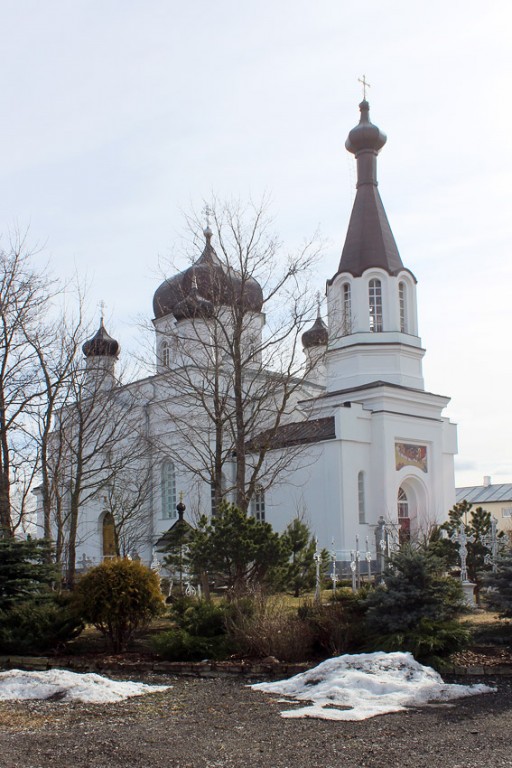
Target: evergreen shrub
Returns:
[[199, 631], [34, 617], [119, 597], [36, 627]]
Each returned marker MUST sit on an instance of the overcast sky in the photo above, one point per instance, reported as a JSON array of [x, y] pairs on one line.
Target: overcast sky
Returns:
[[118, 115]]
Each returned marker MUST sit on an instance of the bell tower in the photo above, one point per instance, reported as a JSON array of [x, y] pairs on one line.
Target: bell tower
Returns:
[[373, 323]]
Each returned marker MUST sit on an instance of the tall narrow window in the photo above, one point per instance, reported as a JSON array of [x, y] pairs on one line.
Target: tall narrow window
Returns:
[[402, 297], [375, 305], [404, 522], [166, 354], [168, 490], [346, 310], [360, 497], [258, 505]]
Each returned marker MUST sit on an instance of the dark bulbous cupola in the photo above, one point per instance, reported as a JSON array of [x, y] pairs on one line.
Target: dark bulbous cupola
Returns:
[[194, 305], [366, 135], [369, 242], [317, 335], [101, 344], [204, 286]]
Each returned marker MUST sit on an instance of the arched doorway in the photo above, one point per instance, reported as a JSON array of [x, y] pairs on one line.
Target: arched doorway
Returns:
[[108, 536], [412, 508]]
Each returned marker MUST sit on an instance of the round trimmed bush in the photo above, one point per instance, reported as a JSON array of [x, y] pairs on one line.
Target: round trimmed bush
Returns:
[[119, 597]]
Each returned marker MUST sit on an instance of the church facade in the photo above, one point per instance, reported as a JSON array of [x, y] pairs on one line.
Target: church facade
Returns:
[[374, 443]]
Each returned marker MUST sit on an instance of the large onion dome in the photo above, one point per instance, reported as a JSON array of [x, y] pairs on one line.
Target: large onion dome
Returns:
[[193, 305], [101, 344], [207, 280], [317, 335]]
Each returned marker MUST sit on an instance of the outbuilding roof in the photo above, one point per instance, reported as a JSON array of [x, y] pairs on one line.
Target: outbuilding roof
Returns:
[[484, 494]]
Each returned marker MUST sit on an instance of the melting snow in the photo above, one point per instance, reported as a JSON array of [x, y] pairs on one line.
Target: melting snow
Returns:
[[359, 686], [62, 685]]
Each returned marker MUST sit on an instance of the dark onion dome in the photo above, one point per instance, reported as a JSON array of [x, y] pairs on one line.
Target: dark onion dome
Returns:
[[369, 242], [317, 335], [214, 282], [193, 305], [101, 344], [366, 135]]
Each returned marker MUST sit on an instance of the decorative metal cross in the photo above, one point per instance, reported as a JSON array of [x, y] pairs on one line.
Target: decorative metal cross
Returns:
[[102, 307], [355, 557], [365, 85], [334, 575], [461, 538], [490, 542], [368, 557], [317, 557]]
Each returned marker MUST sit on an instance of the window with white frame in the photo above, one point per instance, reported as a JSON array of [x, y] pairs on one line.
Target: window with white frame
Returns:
[[402, 504], [168, 482], [402, 297], [258, 505], [360, 498], [506, 511], [166, 354], [346, 309], [375, 305]]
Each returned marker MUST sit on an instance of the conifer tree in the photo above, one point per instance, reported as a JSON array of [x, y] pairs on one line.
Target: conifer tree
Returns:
[[498, 585], [415, 607]]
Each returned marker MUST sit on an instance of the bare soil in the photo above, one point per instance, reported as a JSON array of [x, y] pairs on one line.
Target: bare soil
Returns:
[[221, 723]]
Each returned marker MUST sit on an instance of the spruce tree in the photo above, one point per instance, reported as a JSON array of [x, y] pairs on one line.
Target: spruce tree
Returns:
[[415, 607], [498, 585]]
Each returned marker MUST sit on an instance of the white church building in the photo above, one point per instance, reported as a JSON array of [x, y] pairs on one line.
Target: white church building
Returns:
[[375, 443]]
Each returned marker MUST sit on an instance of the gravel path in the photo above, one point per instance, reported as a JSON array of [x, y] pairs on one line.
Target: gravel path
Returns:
[[221, 723]]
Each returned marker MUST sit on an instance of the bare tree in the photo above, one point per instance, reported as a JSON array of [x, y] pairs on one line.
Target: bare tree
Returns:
[[126, 499], [234, 354], [25, 296], [93, 442]]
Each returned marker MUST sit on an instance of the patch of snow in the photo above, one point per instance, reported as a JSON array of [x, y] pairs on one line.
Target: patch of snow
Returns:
[[59, 684], [360, 686]]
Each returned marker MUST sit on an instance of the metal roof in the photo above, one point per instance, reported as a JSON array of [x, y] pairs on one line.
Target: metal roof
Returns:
[[295, 433], [482, 494]]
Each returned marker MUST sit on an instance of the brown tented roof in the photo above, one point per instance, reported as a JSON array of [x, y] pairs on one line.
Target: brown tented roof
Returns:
[[296, 433], [369, 241]]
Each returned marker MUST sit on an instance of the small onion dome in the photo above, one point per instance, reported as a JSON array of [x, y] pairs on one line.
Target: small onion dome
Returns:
[[101, 344], [365, 135], [317, 335], [213, 281], [180, 507]]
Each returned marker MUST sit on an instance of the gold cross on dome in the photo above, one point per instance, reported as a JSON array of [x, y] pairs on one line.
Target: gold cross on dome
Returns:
[[102, 307], [365, 85]]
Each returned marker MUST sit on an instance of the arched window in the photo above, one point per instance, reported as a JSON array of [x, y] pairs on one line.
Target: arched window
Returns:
[[108, 536], [375, 305], [404, 521], [168, 490], [402, 297], [346, 310], [258, 505], [360, 498], [166, 354]]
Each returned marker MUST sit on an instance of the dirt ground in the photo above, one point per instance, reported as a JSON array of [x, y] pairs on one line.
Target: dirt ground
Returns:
[[221, 723]]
